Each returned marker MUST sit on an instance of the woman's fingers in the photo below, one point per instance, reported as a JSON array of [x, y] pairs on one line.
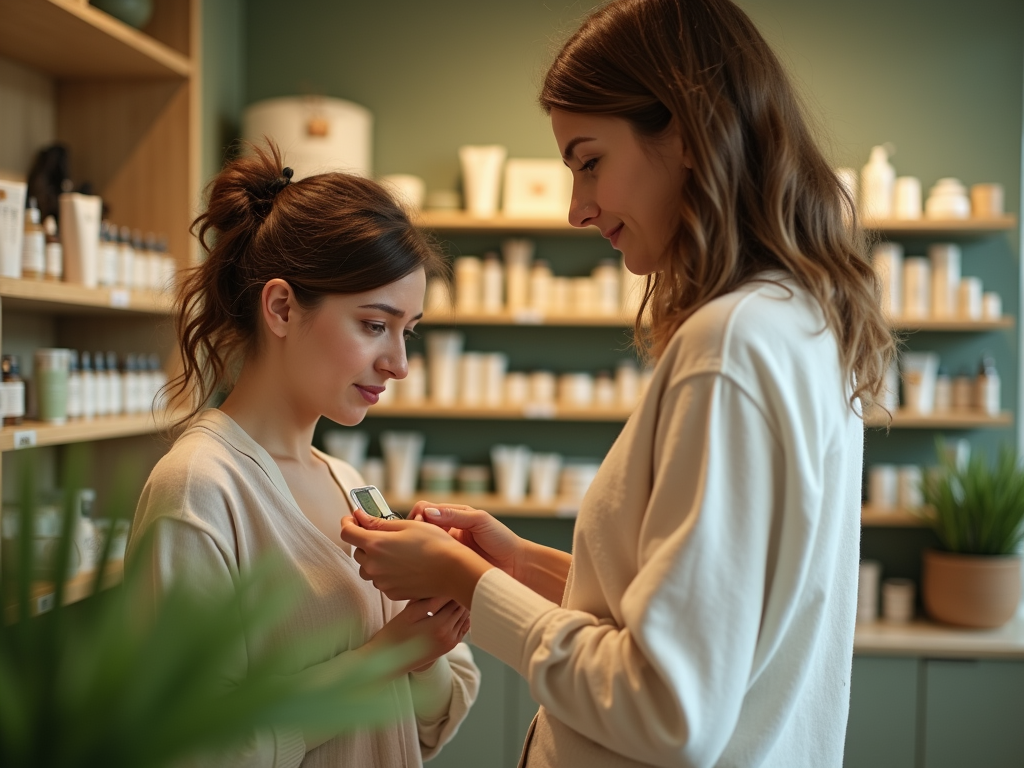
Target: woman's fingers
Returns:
[[453, 516]]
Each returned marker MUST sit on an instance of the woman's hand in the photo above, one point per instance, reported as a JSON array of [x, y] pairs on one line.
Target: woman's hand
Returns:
[[434, 626], [477, 530], [408, 560]]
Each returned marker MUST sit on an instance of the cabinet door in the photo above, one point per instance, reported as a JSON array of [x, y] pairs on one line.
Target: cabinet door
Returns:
[[974, 712], [481, 737], [881, 732]]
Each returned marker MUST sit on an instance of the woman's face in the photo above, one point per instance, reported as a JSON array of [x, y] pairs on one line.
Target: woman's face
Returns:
[[627, 188], [348, 347]]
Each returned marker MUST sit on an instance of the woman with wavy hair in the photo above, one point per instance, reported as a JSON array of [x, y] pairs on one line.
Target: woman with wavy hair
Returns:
[[706, 614]]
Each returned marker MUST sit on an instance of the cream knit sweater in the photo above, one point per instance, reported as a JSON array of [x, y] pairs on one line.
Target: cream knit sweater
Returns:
[[218, 502], [709, 614]]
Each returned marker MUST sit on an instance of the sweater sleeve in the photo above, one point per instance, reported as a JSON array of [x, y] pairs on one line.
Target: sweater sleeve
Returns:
[[665, 684], [442, 696]]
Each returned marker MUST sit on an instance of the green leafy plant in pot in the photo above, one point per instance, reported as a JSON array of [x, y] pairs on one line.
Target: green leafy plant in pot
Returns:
[[96, 683], [977, 511]]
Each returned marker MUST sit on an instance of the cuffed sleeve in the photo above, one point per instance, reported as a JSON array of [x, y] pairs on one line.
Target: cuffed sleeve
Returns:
[[455, 680]]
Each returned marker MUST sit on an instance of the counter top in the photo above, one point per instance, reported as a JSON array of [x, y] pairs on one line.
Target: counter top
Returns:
[[924, 638]]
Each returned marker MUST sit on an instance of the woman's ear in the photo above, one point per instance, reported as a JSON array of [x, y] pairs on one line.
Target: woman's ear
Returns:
[[277, 305]]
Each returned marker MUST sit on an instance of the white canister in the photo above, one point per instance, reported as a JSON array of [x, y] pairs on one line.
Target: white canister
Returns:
[[606, 288], [492, 299], [908, 487], [443, 351], [471, 379], [867, 591], [511, 471], [948, 200], [887, 261], [540, 287], [604, 390], [991, 305], [481, 177], [517, 388], [945, 264], [542, 387], [907, 198], [495, 364], [883, 486], [412, 390], [12, 226], [917, 287], [969, 298], [402, 453], [517, 254], [544, 471], [583, 297], [920, 370], [576, 390], [468, 284], [898, 600]]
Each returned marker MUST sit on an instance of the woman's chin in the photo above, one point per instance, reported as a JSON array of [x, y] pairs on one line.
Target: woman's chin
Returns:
[[349, 416]]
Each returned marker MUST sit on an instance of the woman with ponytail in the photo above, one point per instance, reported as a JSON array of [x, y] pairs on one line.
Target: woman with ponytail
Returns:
[[301, 309], [706, 614]]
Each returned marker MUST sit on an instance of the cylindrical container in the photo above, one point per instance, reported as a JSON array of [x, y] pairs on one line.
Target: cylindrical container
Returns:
[[898, 600], [943, 391], [471, 378], [890, 397], [542, 387], [877, 180], [560, 300], [917, 287], [413, 388], [437, 474], [13, 390], [945, 263], [627, 384], [89, 387], [474, 479], [576, 390], [907, 198], [991, 305], [987, 201], [867, 591], [518, 256], [606, 287], [108, 255], [583, 297], [443, 350], [604, 390], [544, 471], [969, 301], [114, 388], [125, 258], [481, 177], [80, 236], [492, 300], [963, 391], [99, 366], [33, 244], [402, 451], [540, 286], [51, 379], [349, 445], [517, 388], [494, 366], [908, 487], [883, 486], [468, 284], [987, 388], [74, 387], [919, 372], [887, 260], [54, 256], [511, 470], [948, 200]]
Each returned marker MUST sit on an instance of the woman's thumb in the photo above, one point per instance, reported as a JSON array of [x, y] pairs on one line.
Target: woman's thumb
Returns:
[[371, 523], [446, 517]]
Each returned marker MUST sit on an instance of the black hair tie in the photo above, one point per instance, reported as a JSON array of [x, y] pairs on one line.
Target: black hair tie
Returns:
[[281, 181]]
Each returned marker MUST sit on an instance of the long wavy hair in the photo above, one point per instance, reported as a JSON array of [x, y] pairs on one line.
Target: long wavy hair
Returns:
[[760, 194], [332, 233]]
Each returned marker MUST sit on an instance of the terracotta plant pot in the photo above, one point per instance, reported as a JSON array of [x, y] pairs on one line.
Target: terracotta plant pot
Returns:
[[971, 590]]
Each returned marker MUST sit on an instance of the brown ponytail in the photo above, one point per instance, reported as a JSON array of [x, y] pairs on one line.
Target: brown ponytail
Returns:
[[760, 195], [326, 234]]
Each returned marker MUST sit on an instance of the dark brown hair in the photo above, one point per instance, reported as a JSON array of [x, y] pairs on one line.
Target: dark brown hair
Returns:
[[760, 194], [327, 234]]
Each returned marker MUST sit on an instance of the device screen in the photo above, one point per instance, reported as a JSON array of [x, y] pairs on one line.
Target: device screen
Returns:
[[368, 504]]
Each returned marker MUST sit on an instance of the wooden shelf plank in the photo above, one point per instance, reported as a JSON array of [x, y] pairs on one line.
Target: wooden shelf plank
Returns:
[[942, 227], [951, 324], [72, 40], [878, 517], [69, 298], [37, 433], [952, 420], [77, 588], [509, 413], [460, 221], [528, 319]]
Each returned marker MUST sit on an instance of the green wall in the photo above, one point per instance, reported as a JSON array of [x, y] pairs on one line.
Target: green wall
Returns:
[[223, 89]]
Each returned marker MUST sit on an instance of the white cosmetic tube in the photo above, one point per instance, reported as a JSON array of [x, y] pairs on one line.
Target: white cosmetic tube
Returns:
[[80, 236]]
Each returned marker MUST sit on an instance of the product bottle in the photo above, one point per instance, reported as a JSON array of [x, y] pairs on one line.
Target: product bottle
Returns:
[[540, 286], [493, 285], [88, 387], [158, 400], [140, 273], [169, 267], [943, 391], [108, 255], [102, 384], [116, 405], [986, 397], [125, 259], [13, 390], [606, 286], [877, 182], [74, 387], [33, 247], [963, 391], [129, 385], [54, 257], [156, 263]]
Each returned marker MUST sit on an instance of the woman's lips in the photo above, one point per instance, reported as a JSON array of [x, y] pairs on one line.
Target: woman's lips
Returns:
[[370, 394], [613, 235]]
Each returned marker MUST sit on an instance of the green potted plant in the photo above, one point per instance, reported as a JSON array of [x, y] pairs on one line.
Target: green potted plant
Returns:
[[977, 511], [93, 683]]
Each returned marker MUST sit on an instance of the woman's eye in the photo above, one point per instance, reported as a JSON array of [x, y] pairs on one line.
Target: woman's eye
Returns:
[[411, 334], [375, 328], [589, 165]]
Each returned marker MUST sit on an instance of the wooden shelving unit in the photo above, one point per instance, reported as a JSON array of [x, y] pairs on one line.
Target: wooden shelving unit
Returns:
[[68, 298], [941, 227], [537, 412], [950, 420], [951, 325], [43, 593], [876, 517], [528, 319], [32, 434]]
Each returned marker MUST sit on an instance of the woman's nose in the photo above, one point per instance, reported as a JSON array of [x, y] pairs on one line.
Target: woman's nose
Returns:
[[395, 364], [582, 210]]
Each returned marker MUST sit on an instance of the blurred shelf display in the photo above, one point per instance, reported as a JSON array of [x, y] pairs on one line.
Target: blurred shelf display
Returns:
[[69, 298], [495, 504], [876, 517], [951, 324], [941, 227], [73, 39], [31, 434], [540, 412], [926, 638], [951, 420], [527, 318], [460, 221], [43, 593]]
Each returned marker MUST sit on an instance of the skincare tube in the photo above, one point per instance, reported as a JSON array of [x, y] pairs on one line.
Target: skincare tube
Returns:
[[12, 227], [919, 372], [80, 236]]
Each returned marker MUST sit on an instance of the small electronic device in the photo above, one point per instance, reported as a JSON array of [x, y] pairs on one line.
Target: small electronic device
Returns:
[[371, 501]]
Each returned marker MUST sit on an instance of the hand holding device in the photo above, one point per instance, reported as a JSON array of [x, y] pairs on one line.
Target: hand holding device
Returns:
[[371, 501]]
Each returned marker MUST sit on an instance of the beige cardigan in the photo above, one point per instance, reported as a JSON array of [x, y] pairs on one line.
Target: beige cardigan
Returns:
[[218, 502], [708, 617]]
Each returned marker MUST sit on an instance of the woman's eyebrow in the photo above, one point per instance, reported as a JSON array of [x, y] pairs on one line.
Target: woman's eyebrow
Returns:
[[567, 155], [393, 311]]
